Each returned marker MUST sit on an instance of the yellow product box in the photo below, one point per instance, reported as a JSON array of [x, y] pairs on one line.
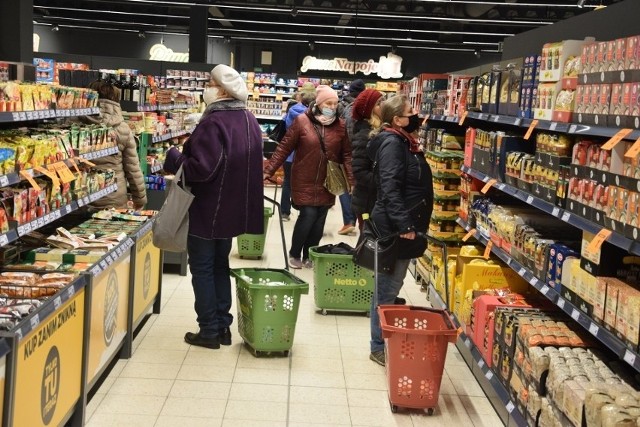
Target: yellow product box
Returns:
[[600, 298], [589, 288], [628, 318], [476, 273], [611, 305], [571, 270]]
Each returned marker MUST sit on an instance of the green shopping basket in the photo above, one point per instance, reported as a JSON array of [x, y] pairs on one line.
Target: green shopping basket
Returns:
[[339, 284], [252, 245], [268, 301]]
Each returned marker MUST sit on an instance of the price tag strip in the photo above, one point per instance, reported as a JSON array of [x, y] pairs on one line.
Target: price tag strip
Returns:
[[532, 126], [488, 185], [615, 139], [599, 239]]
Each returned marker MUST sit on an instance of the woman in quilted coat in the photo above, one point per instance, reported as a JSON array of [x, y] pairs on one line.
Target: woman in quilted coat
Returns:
[[125, 162], [309, 169]]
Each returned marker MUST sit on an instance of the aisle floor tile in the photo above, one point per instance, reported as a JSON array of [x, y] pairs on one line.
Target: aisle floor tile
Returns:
[[319, 396], [194, 407], [200, 389], [317, 379], [367, 382], [173, 421], [114, 419], [378, 417], [150, 370], [127, 404], [141, 387], [259, 392], [205, 373], [256, 411], [305, 412]]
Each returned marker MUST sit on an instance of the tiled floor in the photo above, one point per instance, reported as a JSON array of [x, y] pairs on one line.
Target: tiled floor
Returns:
[[327, 380]]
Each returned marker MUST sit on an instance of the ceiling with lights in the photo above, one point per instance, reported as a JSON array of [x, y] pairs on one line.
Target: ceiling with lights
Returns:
[[415, 24]]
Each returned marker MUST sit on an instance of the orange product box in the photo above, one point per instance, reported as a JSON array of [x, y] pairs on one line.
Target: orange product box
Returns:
[[610, 54], [605, 99], [619, 56], [632, 57]]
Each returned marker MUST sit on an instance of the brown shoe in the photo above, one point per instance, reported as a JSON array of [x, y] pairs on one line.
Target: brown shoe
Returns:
[[346, 229]]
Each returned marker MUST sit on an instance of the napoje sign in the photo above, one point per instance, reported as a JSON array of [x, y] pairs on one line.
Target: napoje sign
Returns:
[[387, 68]]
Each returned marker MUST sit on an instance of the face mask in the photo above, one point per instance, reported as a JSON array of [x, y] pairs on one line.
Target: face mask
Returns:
[[210, 94], [328, 112], [414, 124]]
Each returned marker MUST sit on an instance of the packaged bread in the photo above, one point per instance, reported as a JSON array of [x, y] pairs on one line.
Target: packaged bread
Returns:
[[23, 276], [56, 277]]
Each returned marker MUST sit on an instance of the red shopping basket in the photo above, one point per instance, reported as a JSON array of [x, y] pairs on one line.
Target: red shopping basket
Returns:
[[416, 341]]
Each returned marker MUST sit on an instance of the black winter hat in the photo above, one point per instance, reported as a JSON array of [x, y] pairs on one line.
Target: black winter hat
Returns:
[[356, 87]]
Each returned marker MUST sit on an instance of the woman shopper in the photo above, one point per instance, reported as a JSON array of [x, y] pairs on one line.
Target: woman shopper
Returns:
[[403, 204], [125, 163], [365, 112], [222, 163], [305, 97], [318, 126]]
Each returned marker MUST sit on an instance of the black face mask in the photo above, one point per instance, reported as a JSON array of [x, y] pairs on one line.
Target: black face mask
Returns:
[[414, 124]]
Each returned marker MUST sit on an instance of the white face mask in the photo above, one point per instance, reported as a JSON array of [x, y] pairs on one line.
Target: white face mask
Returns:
[[210, 94]]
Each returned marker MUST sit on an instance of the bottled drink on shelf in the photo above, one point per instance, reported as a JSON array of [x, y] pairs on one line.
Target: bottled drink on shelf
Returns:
[[135, 90]]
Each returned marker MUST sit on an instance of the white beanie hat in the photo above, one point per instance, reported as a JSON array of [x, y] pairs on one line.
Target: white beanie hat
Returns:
[[230, 80]]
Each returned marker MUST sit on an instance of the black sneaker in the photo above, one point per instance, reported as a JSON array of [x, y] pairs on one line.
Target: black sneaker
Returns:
[[225, 336], [400, 301], [196, 339], [378, 357]]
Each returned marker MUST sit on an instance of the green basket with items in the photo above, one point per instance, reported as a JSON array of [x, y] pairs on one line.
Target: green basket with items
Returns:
[[338, 283], [252, 245], [268, 301]]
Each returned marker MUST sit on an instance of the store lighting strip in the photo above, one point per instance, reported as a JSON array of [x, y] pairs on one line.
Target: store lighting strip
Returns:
[[289, 24], [364, 15]]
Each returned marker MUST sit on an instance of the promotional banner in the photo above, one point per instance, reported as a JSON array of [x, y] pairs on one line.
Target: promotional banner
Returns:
[[48, 367], [147, 275], [387, 67], [108, 315]]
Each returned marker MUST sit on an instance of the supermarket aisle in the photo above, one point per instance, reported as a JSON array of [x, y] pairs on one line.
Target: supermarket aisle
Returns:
[[327, 380]]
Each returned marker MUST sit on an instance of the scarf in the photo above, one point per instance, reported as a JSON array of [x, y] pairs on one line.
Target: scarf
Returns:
[[324, 120], [414, 144]]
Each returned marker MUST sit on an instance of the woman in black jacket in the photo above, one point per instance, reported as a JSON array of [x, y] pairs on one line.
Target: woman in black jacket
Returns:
[[366, 115], [404, 201]]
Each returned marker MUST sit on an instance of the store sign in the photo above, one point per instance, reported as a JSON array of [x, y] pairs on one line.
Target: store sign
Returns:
[[160, 52], [387, 68]]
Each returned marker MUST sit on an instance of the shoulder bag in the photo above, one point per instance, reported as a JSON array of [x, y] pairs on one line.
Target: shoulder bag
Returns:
[[171, 225], [336, 181], [365, 253]]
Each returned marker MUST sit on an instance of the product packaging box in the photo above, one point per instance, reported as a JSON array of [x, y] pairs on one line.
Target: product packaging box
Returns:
[[604, 261]]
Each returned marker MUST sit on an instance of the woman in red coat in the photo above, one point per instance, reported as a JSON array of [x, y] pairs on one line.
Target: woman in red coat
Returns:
[[309, 169]]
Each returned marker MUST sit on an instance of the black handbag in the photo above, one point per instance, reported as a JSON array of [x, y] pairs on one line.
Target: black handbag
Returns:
[[365, 253], [278, 131]]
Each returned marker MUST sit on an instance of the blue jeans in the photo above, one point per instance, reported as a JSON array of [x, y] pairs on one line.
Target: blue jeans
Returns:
[[285, 198], [388, 288], [308, 230], [209, 264], [348, 216]]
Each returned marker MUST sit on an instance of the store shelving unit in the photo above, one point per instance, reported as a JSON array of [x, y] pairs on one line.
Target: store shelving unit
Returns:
[[71, 332], [606, 337]]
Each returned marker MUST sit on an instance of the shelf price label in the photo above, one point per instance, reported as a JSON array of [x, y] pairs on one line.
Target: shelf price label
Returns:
[[544, 290], [561, 302], [634, 151], [489, 375], [529, 200], [426, 119], [575, 314], [595, 244], [86, 162], [566, 216], [470, 234], [51, 175], [63, 172], [510, 407], [488, 185], [481, 363], [629, 357], [4, 180], [532, 126], [594, 329], [534, 282], [487, 250], [463, 118], [467, 342], [26, 174], [556, 211], [615, 139], [4, 240]]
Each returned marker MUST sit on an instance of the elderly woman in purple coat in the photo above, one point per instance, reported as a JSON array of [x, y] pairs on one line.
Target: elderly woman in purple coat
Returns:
[[222, 163]]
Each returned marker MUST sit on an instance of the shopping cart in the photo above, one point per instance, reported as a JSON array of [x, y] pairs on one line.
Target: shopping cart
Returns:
[[416, 340], [267, 302]]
